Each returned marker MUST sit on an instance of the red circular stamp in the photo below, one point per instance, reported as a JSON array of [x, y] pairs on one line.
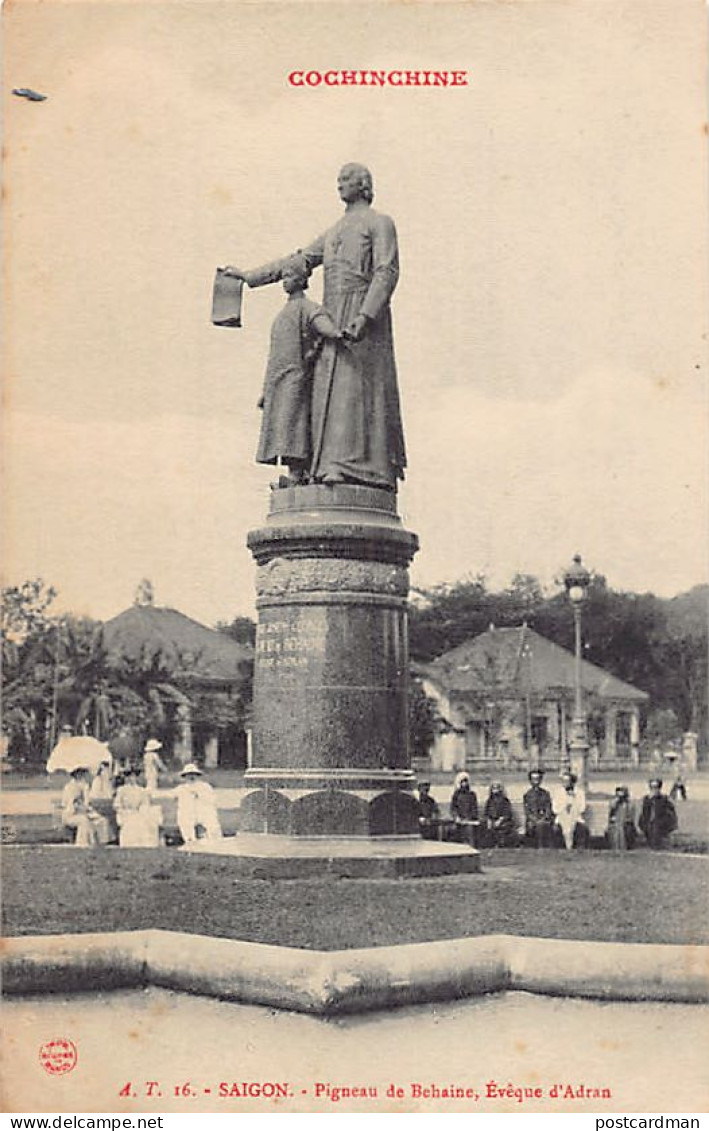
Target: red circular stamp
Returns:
[[58, 1056]]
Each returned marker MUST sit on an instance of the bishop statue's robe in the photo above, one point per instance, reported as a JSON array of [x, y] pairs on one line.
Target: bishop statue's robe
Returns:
[[357, 434]]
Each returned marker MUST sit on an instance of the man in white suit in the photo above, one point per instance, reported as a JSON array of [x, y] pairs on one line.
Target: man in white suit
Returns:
[[197, 816]]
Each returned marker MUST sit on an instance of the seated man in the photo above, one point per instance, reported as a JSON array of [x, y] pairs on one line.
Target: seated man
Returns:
[[464, 810], [570, 808], [498, 819], [658, 817], [197, 815], [429, 812], [538, 811]]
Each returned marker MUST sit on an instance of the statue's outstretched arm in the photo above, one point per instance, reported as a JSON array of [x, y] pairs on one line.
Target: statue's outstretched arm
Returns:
[[271, 272]]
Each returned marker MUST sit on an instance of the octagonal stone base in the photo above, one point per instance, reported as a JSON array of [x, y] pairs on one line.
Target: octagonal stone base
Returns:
[[283, 858], [331, 811]]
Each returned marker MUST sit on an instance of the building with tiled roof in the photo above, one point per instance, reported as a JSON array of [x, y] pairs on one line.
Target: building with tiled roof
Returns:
[[189, 648], [199, 659], [505, 699]]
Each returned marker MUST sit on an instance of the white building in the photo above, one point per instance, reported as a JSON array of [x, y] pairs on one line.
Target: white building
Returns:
[[505, 700]]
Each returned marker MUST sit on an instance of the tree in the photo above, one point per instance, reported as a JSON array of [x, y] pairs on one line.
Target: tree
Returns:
[[446, 616], [423, 719], [27, 674], [97, 692], [25, 620], [663, 730], [149, 683], [241, 629], [24, 609], [62, 675], [61, 672], [57, 669], [523, 598], [684, 660]]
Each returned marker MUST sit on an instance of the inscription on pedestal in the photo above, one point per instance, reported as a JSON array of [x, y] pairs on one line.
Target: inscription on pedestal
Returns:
[[330, 687], [331, 666], [283, 645]]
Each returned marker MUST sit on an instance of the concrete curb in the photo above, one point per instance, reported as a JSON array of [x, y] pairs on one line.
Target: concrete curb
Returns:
[[609, 971], [285, 977], [40, 964], [349, 981]]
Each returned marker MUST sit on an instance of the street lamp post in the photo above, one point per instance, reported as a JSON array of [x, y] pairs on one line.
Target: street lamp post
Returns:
[[576, 581]]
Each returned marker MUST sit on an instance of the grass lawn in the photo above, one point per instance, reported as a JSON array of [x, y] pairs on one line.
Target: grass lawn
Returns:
[[640, 896]]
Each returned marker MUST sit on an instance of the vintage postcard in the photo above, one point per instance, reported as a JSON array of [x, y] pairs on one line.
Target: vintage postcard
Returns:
[[313, 309]]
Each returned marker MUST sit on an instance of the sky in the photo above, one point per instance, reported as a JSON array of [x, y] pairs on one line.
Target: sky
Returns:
[[550, 319]]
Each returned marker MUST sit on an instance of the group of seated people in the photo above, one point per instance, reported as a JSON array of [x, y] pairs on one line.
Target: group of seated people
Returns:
[[113, 805], [550, 820]]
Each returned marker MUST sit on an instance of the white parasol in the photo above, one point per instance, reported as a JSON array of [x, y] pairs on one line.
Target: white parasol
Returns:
[[76, 752]]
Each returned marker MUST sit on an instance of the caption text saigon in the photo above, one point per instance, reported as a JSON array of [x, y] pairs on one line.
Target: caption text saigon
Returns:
[[278, 1091]]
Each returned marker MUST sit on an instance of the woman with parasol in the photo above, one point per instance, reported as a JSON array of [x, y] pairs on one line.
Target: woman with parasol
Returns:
[[78, 756]]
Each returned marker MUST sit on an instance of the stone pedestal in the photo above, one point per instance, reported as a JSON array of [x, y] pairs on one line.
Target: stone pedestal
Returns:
[[330, 715]]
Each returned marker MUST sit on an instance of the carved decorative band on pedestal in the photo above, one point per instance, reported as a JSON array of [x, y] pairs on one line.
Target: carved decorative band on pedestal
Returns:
[[286, 578]]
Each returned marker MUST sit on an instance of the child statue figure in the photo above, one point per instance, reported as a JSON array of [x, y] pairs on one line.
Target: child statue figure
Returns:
[[296, 336]]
